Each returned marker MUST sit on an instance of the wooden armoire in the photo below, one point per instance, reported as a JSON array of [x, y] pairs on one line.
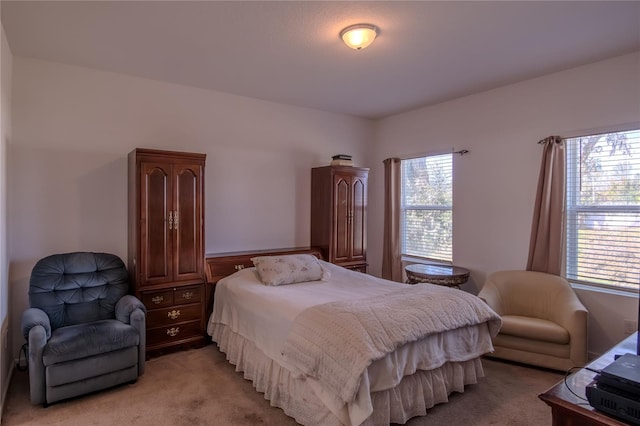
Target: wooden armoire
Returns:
[[166, 245], [339, 215]]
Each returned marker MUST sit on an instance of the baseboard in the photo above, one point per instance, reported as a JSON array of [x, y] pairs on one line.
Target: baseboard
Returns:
[[6, 356], [592, 355], [5, 389]]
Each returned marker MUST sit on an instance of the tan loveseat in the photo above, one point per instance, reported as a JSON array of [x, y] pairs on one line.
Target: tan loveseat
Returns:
[[544, 322]]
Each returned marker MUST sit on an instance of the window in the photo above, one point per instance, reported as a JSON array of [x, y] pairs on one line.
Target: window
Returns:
[[426, 207], [603, 209]]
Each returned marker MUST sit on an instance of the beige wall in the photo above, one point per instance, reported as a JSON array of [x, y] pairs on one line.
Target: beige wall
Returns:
[[494, 185], [73, 127], [6, 358], [72, 131]]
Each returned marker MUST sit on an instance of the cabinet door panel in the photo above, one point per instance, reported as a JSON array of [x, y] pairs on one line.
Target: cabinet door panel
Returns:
[[341, 205], [358, 222], [188, 255], [156, 262]]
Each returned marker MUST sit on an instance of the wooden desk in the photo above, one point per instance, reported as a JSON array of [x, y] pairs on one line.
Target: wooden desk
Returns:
[[569, 410]]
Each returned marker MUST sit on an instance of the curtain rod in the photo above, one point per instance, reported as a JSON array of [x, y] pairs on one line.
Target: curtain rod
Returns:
[[431, 154], [554, 139]]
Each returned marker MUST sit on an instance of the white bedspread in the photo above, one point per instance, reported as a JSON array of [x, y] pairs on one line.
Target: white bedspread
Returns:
[[265, 314], [335, 342]]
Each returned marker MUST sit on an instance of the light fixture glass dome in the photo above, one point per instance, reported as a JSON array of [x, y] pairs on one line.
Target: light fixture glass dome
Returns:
[[359, 36]]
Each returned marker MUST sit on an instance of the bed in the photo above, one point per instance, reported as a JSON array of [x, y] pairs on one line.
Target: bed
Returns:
[[346, 348]]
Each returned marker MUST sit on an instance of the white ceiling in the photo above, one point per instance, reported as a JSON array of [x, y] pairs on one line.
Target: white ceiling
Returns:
[[290, 52]]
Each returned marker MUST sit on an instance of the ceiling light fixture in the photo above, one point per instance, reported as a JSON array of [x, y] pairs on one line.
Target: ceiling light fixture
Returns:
[[359, 36]]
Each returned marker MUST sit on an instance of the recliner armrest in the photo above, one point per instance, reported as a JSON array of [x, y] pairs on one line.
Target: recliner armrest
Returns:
[[126, 305], [33, 317], [130, 310]]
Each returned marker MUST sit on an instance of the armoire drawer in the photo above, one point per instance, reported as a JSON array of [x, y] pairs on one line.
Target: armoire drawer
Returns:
[[173, 333], [194, 294], [173, 314], [157, 299], [359, 267], [173, 296]]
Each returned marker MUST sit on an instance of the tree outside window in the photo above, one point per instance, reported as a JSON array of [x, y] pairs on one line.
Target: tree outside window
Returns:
[[603, 209], [427, 213]]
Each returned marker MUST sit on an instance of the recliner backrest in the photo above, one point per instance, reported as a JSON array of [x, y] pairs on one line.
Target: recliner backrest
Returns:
[[79, 287]]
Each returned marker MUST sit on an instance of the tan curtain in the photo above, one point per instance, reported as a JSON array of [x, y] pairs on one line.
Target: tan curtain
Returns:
[[391, 263], [546, 246]]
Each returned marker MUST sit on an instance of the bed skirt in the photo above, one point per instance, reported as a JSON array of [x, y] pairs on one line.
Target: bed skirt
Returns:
[[411, 397]]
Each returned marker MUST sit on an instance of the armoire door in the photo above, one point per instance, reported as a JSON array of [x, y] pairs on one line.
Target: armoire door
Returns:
[[187, 222], [156, 254], [341, 216], [358, 220]]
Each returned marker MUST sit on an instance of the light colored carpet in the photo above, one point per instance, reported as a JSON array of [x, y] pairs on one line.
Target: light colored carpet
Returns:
[[199, 387]]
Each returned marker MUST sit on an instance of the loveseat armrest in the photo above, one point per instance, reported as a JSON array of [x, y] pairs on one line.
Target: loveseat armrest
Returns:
[[490, 294], [126, 306], [575, 319], [569, 312], [33, 317]]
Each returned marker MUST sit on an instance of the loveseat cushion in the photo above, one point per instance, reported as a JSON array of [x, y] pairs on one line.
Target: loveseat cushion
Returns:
[[534, 328], [84, 340]]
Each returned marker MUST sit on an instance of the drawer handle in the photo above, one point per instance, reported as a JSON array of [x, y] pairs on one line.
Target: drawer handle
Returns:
[[187, 295], [173, 331], [239, 267], [173, 314], [157, 300]]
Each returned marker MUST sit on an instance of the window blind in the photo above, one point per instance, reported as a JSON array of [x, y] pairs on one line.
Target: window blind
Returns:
[[426, 204], [603, 209]]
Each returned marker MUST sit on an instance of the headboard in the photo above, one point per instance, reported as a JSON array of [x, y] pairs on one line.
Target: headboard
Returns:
[[220, 265]]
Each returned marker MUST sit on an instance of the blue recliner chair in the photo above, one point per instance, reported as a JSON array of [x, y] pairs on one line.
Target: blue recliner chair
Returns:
[[84, 332]]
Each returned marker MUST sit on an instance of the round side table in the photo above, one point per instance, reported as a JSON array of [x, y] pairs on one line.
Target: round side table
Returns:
[[447, 275]]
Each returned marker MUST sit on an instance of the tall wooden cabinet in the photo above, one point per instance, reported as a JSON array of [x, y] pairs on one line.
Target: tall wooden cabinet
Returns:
[[166, 245], [339, 215]]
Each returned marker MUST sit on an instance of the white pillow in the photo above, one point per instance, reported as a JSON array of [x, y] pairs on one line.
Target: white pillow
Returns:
[[289, 269]]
